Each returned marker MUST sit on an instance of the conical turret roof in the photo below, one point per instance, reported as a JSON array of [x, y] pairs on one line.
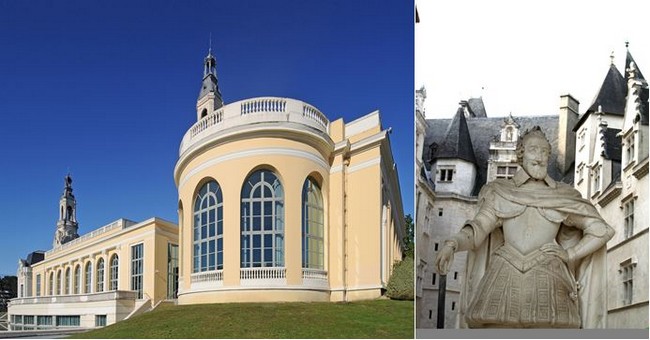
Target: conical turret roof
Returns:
[[458, 142]]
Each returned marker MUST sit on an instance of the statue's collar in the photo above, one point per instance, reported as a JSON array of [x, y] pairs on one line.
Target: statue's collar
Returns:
[[522, 177]]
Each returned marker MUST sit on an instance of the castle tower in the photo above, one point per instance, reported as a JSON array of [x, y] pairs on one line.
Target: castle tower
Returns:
[[66, 226], [209, 97]]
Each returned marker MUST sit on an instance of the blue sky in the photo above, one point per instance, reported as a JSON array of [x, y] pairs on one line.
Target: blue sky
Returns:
[[106, 90]]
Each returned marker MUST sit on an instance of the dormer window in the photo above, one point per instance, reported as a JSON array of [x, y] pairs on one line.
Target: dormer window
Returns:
[[446, 173]]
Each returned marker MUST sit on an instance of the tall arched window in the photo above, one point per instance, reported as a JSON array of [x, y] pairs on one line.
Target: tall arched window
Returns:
[[115, 262], [262, 221], [51, 289], [313, 250], [88, 277], [208, 229], [77, 279], [59, 281], [100, 275], [67, 281]]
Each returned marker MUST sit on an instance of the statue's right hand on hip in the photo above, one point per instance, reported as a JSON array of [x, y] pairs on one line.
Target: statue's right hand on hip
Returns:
[[444, 259]]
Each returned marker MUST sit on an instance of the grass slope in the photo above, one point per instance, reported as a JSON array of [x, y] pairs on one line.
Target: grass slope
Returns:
[[364, 319]]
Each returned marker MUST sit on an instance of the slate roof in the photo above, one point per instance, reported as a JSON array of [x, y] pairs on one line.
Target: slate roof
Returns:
[[611, 95], [483, 130], [35, 257], [628, 60], [612, 149], [457, 142], [476, 107], [643, 96]]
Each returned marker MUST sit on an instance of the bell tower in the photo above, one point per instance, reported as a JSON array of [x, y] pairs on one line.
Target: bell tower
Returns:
[[66, 226], [209, 97]]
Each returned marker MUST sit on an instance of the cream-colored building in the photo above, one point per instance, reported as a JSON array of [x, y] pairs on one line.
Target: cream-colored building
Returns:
[[277, 203], [102, 277]]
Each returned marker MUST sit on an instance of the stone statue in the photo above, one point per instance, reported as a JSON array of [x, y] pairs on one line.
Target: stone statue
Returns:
[[536, 251]]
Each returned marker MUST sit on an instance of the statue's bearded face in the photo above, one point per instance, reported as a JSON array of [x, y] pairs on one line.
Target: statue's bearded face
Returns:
[[535, 161]]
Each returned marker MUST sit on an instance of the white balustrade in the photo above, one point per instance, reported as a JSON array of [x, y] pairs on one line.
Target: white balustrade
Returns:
[[314, 278], [206, 280], [210, 276], [263, 277], [119, 224], [251, 111]]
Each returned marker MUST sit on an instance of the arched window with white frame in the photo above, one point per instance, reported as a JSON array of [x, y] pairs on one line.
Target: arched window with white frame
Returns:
[[313, 249], [262, 221], [77, 279], [67, 281], [51, 285], [59, 281], [100, 276], [115, 262], [88, 278], [207, 230]]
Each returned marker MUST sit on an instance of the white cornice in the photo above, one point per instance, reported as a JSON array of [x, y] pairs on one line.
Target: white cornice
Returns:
[[255, 153], [286, 130]]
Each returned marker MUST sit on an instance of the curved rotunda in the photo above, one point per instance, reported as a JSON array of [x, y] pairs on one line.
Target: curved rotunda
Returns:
[[277, 203]]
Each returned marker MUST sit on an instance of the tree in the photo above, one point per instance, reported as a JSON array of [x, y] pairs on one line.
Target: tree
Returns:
[[8, 290], [409, 238]]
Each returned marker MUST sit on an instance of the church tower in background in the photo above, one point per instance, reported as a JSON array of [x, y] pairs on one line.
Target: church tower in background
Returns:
[[66, 226]]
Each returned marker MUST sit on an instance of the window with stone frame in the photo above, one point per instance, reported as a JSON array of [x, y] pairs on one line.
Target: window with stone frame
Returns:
[[38, 284], [506, 171], [580, 172], [629, 149], [595, 179], [582, 138], [628, 208], [627, 278], [446, 174]]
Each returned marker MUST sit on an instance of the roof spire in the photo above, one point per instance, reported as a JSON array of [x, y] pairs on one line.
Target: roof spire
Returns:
[[627, 44], [611, 56]]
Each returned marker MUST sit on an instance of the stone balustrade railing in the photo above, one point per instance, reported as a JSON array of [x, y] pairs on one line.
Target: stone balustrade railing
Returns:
[[119, 224], [103, 296], [263, 273], [210, 276], [255, 110]]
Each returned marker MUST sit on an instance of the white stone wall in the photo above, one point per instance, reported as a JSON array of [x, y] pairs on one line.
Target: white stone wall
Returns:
[[456, 210]]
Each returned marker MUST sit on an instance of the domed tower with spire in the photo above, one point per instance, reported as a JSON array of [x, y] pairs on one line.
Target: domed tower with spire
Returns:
[[209, 97], [66, 226]]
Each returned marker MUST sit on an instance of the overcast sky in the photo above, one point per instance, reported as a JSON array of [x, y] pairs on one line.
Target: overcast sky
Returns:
[[520, 56]]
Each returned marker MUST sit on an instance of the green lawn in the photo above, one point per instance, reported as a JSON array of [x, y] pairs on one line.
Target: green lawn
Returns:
[[366, 319]]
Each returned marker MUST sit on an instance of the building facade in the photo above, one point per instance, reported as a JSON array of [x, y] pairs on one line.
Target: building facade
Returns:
[[603, 153], [612, 172], [102, 277], [277, 203]]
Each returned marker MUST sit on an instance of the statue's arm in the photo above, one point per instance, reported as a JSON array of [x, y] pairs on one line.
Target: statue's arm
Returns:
[[474, 232], [595, 234]]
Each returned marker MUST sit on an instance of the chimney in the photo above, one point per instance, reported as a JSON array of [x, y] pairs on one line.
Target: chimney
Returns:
[[566, 141]]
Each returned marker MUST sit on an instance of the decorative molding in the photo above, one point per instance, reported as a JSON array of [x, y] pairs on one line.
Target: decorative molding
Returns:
[[254, 153]]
